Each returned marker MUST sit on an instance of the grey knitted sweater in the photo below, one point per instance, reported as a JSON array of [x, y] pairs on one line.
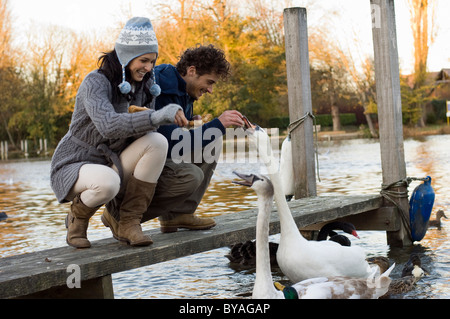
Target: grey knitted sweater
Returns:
[[100, 129]]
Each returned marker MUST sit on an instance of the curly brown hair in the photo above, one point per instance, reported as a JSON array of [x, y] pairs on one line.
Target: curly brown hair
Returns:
[[207, 59]]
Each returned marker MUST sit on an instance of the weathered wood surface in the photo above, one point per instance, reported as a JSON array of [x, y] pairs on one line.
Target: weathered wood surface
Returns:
[[300, 101], [29, 273], [387, 75]]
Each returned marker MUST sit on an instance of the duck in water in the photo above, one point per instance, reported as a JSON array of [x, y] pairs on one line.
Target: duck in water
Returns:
[[437, 222]]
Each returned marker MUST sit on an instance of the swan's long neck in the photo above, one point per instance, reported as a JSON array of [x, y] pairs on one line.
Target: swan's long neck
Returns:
[[266, 155], [287, 222], [263, 281]]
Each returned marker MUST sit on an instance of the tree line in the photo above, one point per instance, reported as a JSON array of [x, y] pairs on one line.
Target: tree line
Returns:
[[40, 77]]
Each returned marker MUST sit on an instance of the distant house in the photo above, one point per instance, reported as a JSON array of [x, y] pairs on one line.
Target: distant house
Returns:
[[443, 76], [442, 80], [439, 93]]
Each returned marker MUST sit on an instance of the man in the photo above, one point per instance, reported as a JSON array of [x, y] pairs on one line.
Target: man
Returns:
[[182, 184]]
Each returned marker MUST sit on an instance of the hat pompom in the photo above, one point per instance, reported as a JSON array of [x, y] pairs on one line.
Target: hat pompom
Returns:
[[125, 87], [155, 90]]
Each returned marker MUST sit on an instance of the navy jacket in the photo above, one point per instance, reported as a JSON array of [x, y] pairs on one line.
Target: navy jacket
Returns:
[[173, 90]]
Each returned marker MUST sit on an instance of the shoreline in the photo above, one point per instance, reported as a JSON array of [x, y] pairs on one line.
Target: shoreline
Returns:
[[407, 133], [321, 137]]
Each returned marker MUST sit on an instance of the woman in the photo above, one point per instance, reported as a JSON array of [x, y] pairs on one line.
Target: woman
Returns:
[[107, 149]]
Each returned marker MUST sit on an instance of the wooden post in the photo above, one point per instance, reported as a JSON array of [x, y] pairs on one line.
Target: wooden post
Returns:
[[389, 103], [299, 93], [25, 148]]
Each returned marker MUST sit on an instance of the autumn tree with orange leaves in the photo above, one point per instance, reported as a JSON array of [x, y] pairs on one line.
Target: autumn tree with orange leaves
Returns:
[[39, 89], [46, 79], [417, 93]]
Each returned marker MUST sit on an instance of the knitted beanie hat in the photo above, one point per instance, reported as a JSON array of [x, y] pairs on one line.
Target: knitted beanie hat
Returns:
[[136, 38]]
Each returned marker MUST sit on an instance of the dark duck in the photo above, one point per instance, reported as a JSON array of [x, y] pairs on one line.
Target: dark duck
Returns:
[[411, 273], [437, 222]]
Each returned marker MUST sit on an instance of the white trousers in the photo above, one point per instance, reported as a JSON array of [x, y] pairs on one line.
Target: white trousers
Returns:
[[144, 158]]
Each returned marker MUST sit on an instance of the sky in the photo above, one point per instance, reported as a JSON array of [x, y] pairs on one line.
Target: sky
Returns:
[[352, 20]]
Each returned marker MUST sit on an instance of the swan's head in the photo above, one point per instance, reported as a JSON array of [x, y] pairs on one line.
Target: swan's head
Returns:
[[349, 228], [260, 183], [251, 128], [248, 125], [263, 145]]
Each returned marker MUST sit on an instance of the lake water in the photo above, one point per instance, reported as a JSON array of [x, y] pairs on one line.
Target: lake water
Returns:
[[36, 220]]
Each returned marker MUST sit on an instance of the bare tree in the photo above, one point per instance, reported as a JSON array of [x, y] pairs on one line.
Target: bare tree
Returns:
[[326, 55], [363, 80]]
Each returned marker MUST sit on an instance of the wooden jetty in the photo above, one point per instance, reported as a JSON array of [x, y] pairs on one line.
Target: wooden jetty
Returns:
[[49, 273], [387, 76], [44, 274]]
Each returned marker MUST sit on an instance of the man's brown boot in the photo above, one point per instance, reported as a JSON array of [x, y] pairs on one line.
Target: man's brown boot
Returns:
[[188, 221], [77, 222], [138, 196]]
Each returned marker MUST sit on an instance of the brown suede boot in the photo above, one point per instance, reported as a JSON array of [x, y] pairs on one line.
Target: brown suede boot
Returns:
[[109, 221], [138, 196], [77, 222], [188, 221]]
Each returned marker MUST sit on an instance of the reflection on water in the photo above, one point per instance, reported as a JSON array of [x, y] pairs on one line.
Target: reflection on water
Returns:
[[36, 220]]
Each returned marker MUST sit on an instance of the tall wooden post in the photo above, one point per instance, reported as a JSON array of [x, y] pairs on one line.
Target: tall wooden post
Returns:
[[299, 93], [389, 103]]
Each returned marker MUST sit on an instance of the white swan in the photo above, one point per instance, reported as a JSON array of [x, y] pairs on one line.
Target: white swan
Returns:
[[298, 258], [244, 253], [315, 288]]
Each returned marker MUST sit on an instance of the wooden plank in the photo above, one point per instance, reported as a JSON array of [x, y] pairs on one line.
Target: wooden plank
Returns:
[[96, 288], [300, 102], [384, 218], [29, 273], [389, 103]]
